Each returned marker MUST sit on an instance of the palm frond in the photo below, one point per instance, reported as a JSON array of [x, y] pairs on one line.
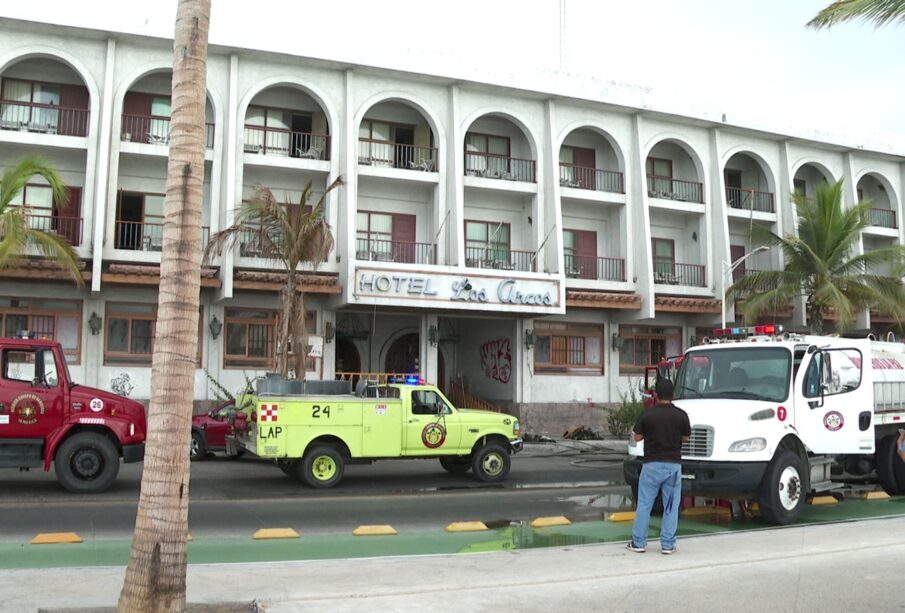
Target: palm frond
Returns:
[[879, 12]]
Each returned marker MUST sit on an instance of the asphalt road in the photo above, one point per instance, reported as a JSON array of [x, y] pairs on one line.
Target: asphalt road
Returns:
[[233, 497]]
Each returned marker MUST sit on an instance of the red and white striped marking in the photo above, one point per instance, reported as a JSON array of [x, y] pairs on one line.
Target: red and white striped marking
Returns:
[[269, 412]]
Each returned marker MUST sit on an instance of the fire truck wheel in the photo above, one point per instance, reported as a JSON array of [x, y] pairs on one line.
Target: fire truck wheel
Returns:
[[198, 450], [491, 462], [322, 466], [456, 464], [86, 462], [782, 490], [890, 468]]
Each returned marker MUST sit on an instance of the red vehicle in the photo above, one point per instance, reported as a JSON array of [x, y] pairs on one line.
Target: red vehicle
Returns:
[[210, 429], [46, 418]]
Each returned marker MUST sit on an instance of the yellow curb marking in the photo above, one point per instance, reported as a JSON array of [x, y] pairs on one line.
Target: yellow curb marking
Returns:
[[466, 526], [704, 511], [377, 530], [189, 538], [276, 533], [822, 500], [52, 538], [546, 522], [622, 516], [876, 496]]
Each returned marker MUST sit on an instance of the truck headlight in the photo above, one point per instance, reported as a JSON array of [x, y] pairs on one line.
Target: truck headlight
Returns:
[[749, 444], [516, 430]]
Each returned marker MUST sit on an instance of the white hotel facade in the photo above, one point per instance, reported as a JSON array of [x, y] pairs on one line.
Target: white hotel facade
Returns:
[[533, 249]]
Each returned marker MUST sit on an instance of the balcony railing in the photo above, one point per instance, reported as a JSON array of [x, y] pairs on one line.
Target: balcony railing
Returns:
[[590, 267], [252, 244], [43, 118], [750, 200], [499, 259], [667, 272], [375, 250], [882, 218], [495, 166], [740, 273], [597, 179], [155, 130], [396, 155], [668, 188], [141, 236], [69, 228], [287, 143]]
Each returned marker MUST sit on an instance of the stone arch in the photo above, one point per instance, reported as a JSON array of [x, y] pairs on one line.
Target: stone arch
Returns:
[[319, 97], [582, 124], [409, 100], [515, 119]]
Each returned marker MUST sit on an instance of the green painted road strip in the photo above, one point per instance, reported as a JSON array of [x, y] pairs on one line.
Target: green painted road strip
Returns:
[[333, 546]]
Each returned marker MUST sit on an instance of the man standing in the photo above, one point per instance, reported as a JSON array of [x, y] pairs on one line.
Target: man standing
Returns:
[[663, 428]]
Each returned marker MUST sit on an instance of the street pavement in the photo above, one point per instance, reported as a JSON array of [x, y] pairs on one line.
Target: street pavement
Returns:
[[848, 566]]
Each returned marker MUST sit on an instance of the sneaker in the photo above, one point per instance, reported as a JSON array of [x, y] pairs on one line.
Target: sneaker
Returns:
[[668, 552], [632, 547]]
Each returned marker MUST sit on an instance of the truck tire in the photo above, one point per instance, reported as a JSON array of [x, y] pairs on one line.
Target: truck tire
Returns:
[[491, 462], [890, 468], [456, 464], [782, 489], [198, 450], [86, 463], [322, 467]]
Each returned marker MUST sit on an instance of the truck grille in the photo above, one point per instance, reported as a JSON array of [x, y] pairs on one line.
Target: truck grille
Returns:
[[701, 443]]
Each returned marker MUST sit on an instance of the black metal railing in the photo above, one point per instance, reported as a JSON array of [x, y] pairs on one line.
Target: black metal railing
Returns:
[[596, 268], [496, 166], [597, 179], [750, 200], [396, 155], [499, 258], [667, 272], [280, 141], [372, 249], [667, 188], [43, 118]]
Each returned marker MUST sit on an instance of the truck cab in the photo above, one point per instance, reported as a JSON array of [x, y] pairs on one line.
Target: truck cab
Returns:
[[769, 414], [47, 419]]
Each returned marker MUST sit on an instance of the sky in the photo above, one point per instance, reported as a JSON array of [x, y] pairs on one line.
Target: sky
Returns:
[[752, 60]]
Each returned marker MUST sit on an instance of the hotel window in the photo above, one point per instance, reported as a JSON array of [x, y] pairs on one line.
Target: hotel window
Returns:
[[485, 153], [800, 186], [59, 320], [486, 243], [580, 250], [568, 348], [659, 176], [664, 252], [250, 338], [645, 345], [130, 329], [386, 237]]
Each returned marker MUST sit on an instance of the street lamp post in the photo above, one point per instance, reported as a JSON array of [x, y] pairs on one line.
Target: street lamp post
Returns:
[[728, 269]]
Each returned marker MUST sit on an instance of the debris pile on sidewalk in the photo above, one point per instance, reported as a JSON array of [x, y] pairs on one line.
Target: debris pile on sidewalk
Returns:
[[538, 438], [582, 433]]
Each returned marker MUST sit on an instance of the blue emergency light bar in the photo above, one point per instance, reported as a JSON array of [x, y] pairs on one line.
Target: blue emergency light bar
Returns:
[[407, 379], [768, 330], [26, 334]]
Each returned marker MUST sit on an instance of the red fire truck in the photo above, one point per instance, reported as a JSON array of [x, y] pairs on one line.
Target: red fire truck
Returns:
[[46, 418]]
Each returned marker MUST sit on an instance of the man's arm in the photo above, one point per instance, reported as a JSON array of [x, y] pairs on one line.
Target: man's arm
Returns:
[[686, 429], [638, 430]]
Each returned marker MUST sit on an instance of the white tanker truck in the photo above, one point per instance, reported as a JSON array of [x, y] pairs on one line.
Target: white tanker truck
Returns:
[[772, 414]]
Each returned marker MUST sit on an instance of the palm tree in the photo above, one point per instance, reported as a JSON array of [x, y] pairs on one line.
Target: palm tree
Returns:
[[880, 12], [819, 265], [16, 235], [289, 235], [155, 575]]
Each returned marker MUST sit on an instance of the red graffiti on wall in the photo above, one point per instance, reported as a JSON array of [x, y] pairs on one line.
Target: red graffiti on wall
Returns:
[[496, 359]]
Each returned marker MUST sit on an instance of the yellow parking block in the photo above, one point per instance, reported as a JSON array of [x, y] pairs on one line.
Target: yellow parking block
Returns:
[[376, 530], [54, 538], [622, 516], [466, 526], [275, 533], [546, 522], [189, 538], [876, 496], [822, 500], [706, 511]]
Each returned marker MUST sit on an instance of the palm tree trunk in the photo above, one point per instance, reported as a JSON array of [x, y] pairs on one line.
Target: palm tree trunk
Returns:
[[155, 576]]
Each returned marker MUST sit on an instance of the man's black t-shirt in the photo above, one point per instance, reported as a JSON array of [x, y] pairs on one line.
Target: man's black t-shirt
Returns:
[[663, 427]]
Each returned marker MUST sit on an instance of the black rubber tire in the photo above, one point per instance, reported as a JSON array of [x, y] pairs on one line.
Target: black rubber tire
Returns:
[[491, 463], [456, 464], [890, 468], [783, 494], [198, 450], [86, 463], [316, 461]]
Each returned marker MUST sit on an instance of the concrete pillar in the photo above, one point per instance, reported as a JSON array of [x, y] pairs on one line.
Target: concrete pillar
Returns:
[[640, 259], [101, 178]]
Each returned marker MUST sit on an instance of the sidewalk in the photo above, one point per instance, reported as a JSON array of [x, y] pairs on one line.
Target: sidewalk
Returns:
[[830, 567]]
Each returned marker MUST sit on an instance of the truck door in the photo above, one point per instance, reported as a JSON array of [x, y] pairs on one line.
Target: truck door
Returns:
[[31, 394], [834, 399], [431, 425]]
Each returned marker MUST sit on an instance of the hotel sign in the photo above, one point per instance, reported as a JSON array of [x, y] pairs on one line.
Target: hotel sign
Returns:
[[458, 291]]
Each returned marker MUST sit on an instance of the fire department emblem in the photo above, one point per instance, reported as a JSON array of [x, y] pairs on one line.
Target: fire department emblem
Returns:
[[27, 407], [833, 421], [433, 435]]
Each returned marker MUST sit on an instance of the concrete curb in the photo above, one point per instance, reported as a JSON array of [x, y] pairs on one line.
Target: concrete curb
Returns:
[[566, 446]]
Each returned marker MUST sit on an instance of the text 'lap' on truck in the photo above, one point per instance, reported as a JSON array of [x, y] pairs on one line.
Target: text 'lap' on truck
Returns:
[[775, 416], [48, 419], [313, 429]]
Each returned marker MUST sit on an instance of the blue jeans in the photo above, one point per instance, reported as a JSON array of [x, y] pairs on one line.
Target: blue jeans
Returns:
[[665, 477]]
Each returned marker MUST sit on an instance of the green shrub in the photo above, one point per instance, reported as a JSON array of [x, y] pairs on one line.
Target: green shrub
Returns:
[[620, 421]]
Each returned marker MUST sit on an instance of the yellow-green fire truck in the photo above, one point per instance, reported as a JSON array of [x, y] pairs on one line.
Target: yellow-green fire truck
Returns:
[[313, 429]]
